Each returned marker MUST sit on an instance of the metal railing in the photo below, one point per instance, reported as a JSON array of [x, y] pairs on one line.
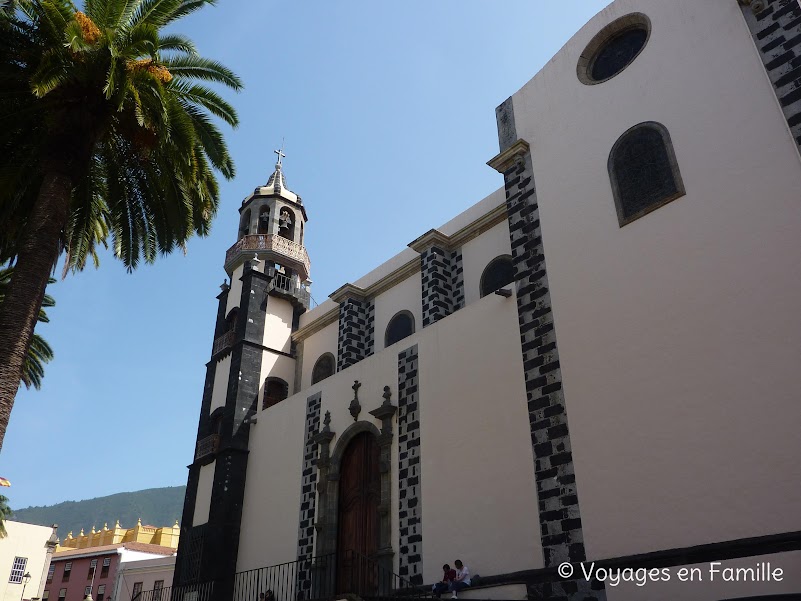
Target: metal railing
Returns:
[[207, 446], [285, 284], [323, 577], [187, 592]]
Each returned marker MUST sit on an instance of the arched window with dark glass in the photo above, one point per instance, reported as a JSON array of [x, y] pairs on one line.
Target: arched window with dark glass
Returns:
[[499, 273], [230, 321], [325, 367], [643, 171], [244, 224], [275, 391], [264, 219], [400, 326]]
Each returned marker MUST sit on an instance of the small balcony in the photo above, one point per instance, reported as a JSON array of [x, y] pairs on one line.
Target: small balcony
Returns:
[[285, 287], [223, 342], [207, 446], [285, 250]]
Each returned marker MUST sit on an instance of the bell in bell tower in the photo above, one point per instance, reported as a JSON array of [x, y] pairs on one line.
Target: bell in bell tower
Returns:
[[253, 366]]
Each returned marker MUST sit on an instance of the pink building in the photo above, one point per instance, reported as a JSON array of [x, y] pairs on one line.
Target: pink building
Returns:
[[76, 573]]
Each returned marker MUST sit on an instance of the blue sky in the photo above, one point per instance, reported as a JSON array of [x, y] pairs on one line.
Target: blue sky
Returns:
[[388, 112]]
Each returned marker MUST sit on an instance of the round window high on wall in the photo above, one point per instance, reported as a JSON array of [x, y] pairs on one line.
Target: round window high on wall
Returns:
[[613, 48]]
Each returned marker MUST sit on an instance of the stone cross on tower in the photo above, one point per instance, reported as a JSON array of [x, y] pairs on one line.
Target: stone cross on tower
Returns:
[[281, 155]]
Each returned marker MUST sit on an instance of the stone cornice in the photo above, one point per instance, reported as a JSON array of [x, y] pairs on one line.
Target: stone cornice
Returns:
[[318, 324], [431, 238], [479, 226], [502, 162]]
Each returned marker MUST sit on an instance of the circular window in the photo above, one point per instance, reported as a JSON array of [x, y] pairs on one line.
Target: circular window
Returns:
[[614, 48]]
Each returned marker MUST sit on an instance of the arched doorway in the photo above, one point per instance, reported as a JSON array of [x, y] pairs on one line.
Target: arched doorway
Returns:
[[357, 514]]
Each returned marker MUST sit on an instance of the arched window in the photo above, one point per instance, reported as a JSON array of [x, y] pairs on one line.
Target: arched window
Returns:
[[264, 219], [275, 391], [286, 224], [497, 274], [244, 224], [325, 367], [643, 171], [230, 321], [400, 326]]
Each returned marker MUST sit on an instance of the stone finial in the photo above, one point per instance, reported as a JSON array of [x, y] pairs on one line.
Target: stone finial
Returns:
[[81, 534], [176, 525], [69, 534], [387, 396], [139, 522], [355, 407], [224, 286], [105, 526], [327, 422], [93, 529], [117, 524]]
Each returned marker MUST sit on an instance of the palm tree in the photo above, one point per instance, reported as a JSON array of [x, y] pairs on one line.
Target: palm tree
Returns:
[[39, 352], [5, 514], [104, 130]]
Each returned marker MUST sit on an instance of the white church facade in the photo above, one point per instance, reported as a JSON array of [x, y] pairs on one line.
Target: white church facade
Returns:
[[595, 365]]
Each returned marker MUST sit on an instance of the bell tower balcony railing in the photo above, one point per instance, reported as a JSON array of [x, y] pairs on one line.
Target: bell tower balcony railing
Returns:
[[282, 247]]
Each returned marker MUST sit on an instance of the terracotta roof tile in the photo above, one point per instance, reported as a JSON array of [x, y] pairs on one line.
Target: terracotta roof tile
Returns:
[[148, 548]]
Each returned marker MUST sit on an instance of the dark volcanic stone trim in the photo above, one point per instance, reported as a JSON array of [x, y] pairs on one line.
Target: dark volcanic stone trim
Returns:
[[457, 278], [442, 281], [308, 495], [437, 286], [777, 34], [356, 338], [410, 509], [558, 502]]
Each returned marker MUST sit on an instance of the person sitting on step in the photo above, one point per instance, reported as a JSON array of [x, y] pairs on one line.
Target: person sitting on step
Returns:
[[448, 576], [462, 580]]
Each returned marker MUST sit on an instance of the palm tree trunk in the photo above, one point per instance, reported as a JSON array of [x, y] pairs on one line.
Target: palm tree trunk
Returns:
[[36, 259]]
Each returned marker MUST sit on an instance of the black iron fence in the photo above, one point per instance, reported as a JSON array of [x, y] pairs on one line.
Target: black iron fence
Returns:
[[187, 592], [324, 577]]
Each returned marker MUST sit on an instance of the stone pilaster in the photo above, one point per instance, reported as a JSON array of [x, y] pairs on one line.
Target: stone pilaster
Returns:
[[558, 502], [410, 509], [308, 495], [441, 276], [356, 336], [777, 33]]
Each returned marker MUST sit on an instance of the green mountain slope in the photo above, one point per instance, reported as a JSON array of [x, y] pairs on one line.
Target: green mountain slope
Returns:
[[155, 507]]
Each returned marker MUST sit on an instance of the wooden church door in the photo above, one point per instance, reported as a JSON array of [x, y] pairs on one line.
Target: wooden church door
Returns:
[[357, 520]]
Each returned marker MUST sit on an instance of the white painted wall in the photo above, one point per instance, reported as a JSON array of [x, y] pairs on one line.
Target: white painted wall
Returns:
[[221, 373], [319, 343], [146, 571], [23, 540], [235, 293], [478, 253], [277, 366], [475, 447], [678, 334], [278, 324], [479, 496], [405, 296], [270, 511], [203, 499]]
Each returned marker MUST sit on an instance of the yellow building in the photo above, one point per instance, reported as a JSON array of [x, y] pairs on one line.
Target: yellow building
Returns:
[[166, 536]]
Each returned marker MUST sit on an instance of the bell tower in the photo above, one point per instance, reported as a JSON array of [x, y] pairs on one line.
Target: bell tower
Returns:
[[252, 366]]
